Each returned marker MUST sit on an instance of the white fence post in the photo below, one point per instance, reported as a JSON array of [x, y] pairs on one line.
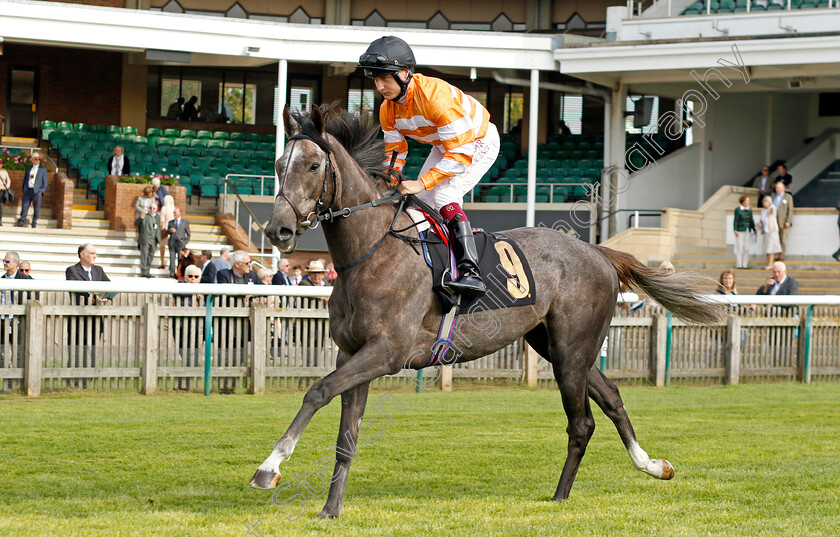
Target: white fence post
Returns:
[[259, 314], [446, 378], [733, 349], [659, 343], [532, 359], [150, 358], [34, 357]]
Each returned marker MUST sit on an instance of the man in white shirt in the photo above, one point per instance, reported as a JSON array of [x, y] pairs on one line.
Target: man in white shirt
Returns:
[[780, 283], [118, 164]]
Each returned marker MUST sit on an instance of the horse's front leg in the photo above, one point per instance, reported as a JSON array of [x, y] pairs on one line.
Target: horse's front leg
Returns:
[[353, 403], [370, 362]]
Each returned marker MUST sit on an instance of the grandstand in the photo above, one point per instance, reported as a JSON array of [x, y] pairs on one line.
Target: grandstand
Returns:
[[676, 99]]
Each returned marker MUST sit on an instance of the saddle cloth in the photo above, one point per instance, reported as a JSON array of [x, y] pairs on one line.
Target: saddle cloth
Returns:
[[504, 270]]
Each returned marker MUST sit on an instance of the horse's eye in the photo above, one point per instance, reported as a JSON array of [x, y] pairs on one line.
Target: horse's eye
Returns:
[[314, 166]]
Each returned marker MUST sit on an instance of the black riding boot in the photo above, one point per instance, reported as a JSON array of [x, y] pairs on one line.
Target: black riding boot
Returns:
[[469, 281]]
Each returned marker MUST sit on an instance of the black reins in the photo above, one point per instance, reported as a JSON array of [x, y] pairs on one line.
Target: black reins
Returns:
[[329, 215]]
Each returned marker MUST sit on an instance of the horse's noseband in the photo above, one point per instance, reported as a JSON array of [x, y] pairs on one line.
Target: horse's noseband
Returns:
[[312, 220]]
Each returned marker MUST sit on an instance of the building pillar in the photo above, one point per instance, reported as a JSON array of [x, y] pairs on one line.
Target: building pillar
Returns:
[[533, 119], [618, 174]]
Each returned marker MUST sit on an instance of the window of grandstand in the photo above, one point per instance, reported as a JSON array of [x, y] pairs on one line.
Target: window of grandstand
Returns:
[[513, 109], [301, 99], [480, 96], [651, 126], [571, 112], [172, 88], [241, 100], [361, 102]]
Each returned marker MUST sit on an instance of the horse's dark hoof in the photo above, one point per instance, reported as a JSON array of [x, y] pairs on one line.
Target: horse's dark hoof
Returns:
[[263, 479], [328, 514]]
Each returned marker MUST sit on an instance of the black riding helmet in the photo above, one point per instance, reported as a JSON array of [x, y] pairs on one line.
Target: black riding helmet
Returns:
[[388, 55]]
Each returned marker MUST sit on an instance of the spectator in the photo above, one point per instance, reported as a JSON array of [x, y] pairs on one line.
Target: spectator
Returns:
[[86, 270], [34, 186], [743, 225], [83, 330], [167, 213], [763, 182], [10, 328], [25, 268], [783, 202], [315, 274], [240, 271], [563, 129], [282, 276], [208, 275], [768, 225], [668, 267], [143, 203], [265, 276], [185, 259], [5, 189], [779, 283], [784, 176], [179, 236], [204, 258], [148, 239], [727, 283], [118, 163], [176, 109], [297, 274], [159, 192], [187, 330], [190, 112]]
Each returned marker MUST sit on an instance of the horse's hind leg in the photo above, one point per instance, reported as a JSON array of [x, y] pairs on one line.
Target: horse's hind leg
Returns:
[[572, 383], [352, 408], [606, 395]]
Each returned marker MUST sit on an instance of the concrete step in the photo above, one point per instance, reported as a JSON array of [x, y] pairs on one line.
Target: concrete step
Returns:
[[86, 223], [89, 214], [728, 263]]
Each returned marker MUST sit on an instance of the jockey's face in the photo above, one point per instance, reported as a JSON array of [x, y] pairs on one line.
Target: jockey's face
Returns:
[[387, 86]]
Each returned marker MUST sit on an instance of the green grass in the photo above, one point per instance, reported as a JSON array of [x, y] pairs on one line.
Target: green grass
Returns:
[[750, 460]]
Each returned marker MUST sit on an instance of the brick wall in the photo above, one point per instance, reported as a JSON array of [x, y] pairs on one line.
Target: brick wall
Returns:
[[58, 197], [120, 199], [75, 85]]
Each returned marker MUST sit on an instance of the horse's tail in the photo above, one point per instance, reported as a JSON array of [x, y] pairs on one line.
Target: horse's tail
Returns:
[[679, 292]]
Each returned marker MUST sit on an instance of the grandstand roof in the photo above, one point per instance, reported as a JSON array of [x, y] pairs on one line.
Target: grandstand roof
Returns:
[[255, 41]]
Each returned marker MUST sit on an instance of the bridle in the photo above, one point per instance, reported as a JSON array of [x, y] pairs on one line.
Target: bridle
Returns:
[[329, 172]]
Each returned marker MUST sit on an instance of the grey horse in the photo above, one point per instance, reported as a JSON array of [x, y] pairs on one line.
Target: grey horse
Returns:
[[384, 316]]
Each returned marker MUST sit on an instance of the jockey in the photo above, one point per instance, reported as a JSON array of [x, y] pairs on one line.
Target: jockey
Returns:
[[464, 142]]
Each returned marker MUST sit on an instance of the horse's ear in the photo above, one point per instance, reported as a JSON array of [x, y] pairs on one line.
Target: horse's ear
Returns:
[[291, 125], [317, 119]]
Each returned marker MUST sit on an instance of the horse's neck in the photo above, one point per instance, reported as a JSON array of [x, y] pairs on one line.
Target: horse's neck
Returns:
[[349, 238]]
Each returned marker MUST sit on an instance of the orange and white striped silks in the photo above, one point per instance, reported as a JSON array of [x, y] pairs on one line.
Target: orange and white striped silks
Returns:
[[439, 114]]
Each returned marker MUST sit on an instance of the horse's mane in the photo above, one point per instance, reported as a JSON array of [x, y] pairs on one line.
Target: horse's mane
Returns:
[[357, 134]]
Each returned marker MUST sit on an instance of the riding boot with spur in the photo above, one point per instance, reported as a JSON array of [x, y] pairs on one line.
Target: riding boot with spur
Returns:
[[469, 280]]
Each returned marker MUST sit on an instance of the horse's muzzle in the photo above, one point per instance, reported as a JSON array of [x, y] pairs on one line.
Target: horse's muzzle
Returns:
[[281, 237]]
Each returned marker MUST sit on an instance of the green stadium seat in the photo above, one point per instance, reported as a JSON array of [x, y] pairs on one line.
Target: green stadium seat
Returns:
[[47, 124], [254, 137], [181, 142], [198, 143], [238, 136], [271, 138], [97, 128], [171, 133], [80, 127], [221, 135], [187, 133], [129, 130], [193, 151], [153, 131], [64, 125], [231, 144], [204, 135]]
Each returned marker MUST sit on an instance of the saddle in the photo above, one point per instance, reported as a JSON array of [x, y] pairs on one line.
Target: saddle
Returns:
[[504, 269]]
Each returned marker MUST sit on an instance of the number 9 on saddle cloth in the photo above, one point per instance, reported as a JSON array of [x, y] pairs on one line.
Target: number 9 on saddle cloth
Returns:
[[503, 266]]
